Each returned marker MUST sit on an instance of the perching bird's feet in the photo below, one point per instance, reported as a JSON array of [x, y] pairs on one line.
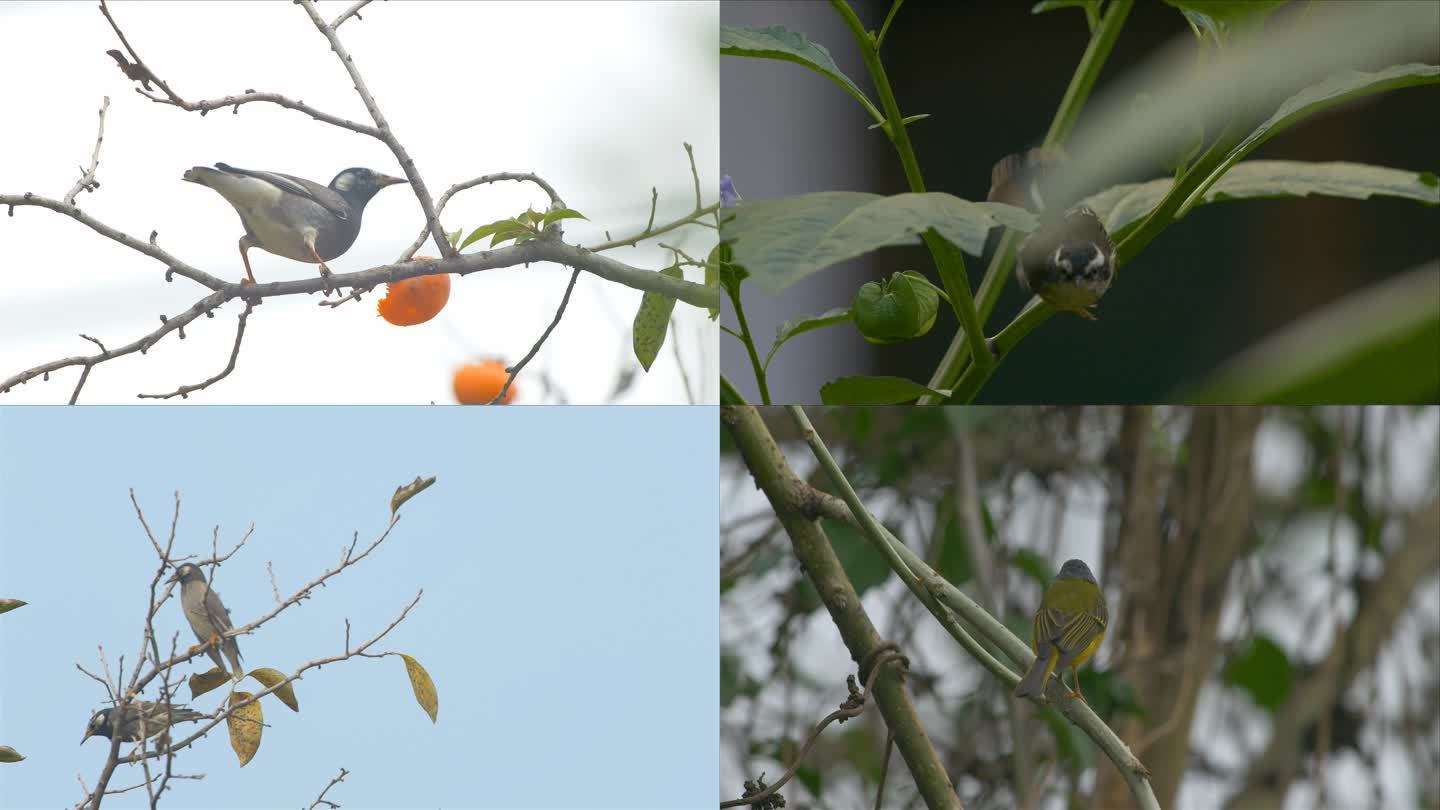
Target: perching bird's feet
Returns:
[[326, 276]]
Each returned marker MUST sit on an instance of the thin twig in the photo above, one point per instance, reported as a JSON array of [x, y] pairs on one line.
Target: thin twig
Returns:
[[555, 201], [383, 130], [184, 391], [140, 72], [87, 181], [515, 369], [851, 708], [353, 11], [319, 800]]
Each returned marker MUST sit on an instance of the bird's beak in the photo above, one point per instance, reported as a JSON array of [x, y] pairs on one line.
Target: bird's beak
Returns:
[[88, 734], [383, 180]]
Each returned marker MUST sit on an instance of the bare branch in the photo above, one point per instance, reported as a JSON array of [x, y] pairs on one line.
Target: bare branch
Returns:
[[140, 72], [87, 181], [172, 264], [560, 312], [555, 201], [384, 133], [184, 391], [353, 11], [536, 250], [319, 800], [852, 707], [540, 250]]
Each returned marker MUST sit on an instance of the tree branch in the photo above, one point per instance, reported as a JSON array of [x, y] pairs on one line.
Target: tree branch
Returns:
[[87, 181], [515, 369], [383, 131], [783, 489]]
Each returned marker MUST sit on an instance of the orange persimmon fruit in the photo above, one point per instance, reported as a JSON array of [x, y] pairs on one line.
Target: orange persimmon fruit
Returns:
[[477, 383], [415, 300]]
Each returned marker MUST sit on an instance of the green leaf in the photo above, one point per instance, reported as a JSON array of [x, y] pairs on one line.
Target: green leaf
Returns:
[[863, 563], [652, 321], [454, 236], [731, 275], [207, 681], [8, 754], [245, 725], [1034, 566], [874, 391], [423, 687], [489, 230], [733, 680], [1051, 5], [1338, 89], [7, 605], [800, 326], [407, 491], [1121, 205], [271, 677], [1070, 742], [906, 121], [712, 279], [561, 213], [1381, 344], [899, 308], [777, 42], [1224, 15], [782, 241], [1263, 670], [811, 778]]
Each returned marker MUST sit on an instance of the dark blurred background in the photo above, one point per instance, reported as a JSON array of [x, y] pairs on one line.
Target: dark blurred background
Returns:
[[990, 75]]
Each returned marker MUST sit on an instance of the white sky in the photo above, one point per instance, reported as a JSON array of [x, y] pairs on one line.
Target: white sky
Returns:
[[595, 97]]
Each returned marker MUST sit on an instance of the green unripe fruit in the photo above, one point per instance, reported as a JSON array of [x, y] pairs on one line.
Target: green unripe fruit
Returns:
[[899, 308]]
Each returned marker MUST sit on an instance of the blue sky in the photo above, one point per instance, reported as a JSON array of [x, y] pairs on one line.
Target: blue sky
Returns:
[[569, 618]]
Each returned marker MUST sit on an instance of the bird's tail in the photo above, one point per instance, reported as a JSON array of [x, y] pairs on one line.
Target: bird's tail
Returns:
[[180, 714], [1033, 684], [199, 174]]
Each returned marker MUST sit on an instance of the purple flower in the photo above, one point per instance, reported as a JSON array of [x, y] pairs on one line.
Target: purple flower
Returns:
[[729, 197]]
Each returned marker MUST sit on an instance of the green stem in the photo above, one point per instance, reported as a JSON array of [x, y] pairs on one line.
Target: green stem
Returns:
[[729, 394], [1193, 181], [1086, 73], [949, 261], [894, 8], [749, 341], [975, 377], [822, 568]]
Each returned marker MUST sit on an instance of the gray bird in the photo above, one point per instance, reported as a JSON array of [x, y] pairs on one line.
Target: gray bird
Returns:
[[1069, 261], [291, 216], [207, 615], [104, 723]]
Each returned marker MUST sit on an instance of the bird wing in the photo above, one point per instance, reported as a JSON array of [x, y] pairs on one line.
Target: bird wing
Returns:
[[215, 610], [316, 193]]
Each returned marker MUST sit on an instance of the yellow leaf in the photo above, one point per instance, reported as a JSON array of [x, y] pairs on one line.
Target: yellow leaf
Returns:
[[245, 725], [423, 686], [410, 490], [286, 693], [205, 681], [8, 754]]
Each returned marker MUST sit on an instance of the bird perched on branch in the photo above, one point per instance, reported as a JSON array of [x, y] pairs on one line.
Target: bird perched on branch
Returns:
[[207, 616], [158, 718], [291, 216]]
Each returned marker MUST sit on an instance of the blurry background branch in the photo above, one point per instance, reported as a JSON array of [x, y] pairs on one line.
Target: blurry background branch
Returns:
[[1271, 576]]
